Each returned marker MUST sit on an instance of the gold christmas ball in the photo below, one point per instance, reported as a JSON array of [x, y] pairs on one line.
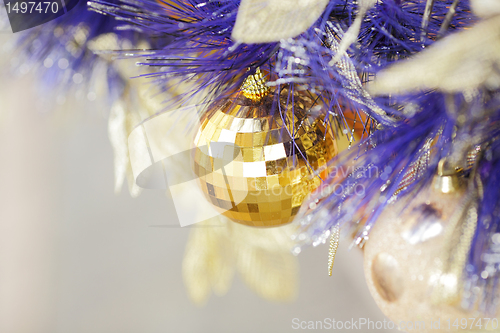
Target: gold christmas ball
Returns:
[[261, 177], [405, 263]]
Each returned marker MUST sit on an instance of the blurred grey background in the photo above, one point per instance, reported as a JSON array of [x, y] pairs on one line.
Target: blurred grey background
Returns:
[[76, 258]]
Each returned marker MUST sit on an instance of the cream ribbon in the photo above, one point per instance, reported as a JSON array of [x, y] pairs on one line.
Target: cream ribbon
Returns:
[[267, 21]]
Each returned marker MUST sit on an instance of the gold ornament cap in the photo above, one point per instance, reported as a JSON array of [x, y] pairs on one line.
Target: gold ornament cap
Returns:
[[255, 86], [446, 180]]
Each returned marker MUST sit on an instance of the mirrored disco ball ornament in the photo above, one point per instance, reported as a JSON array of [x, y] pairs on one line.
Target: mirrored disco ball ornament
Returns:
[[248, 165]]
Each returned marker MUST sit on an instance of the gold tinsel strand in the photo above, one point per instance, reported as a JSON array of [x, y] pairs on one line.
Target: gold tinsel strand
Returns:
[[334, 244]]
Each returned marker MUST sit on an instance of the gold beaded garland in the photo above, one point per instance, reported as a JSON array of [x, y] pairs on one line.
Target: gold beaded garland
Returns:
[[274, 171]]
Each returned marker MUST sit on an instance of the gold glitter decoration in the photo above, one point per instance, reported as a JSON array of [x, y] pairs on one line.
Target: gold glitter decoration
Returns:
[[263, 166]]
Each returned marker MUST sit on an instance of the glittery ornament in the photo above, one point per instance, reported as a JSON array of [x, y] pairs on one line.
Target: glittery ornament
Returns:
[[414, 259], [273, 155]]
